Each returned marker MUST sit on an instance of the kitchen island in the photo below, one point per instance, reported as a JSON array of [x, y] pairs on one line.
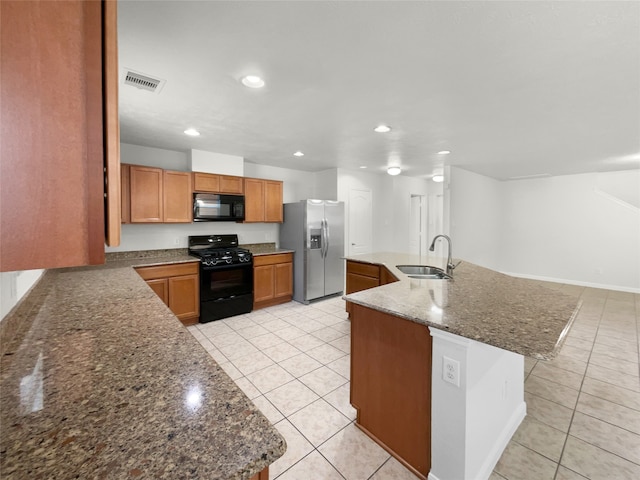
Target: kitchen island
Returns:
[[100, 380], [444, 360]]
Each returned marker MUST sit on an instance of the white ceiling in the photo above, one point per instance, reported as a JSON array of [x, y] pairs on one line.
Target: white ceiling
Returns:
[[511, 88]]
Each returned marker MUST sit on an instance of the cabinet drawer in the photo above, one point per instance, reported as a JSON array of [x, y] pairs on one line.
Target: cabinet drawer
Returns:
[[365, 269], [272, 259], [166, 271], [356, 283]]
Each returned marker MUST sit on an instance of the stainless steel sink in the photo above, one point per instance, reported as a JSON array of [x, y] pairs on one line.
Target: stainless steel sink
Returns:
[[423, 272]]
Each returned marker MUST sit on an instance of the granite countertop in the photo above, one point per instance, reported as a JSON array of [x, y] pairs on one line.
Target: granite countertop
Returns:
[[511, 313], [101, 380], [259, 249]]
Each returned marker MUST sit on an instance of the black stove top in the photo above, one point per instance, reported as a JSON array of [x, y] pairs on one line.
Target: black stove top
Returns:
[[214, 250]]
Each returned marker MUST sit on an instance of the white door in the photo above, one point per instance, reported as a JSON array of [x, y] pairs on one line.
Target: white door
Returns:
[[360, 222], [416, 226]]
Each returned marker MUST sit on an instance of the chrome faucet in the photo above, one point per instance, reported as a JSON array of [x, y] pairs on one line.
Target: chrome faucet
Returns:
[[450, 265]]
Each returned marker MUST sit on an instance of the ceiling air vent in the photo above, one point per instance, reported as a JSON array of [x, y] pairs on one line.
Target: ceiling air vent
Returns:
[[143, 82]]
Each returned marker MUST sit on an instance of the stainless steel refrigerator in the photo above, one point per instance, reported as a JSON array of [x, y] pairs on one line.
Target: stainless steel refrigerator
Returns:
[[315, 230]]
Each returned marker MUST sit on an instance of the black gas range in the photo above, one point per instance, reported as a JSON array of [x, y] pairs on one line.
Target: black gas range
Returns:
[[226, 276]]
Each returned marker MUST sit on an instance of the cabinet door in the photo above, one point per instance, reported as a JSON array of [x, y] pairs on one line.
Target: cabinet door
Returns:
[[254, 200], [146, 194], [272, 201], [125, 190], [161, 287], [51, 136], [263, 283], [184, 296], [283, 276], [231, 185], [356, 283], [177, 197], [206, 182], [111, 123]]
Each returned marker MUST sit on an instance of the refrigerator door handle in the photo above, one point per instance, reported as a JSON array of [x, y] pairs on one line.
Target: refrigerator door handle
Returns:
[[323, 252], [327, 235]]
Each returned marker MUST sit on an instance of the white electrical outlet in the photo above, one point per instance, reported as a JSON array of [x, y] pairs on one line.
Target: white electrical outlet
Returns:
[[451, 370]]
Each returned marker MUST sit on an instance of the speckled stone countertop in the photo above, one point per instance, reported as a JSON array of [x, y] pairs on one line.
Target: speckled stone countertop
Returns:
[[258, 249], [511, 313], [103, 381]]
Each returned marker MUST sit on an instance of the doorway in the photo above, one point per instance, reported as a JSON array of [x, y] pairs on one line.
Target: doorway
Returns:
[[417, 226], [360, 222]]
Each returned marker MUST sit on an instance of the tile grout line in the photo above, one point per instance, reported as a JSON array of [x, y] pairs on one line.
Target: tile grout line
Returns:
[[573, 413]]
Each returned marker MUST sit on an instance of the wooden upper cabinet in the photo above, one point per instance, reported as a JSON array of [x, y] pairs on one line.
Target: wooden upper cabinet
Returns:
[[205, 182], [154, 195], [213, 183], [125, 189], [263, 200], [146, 194], [253, 200], [111, 124], [273, 201], [53, 132], [231, 185], [178, 202]]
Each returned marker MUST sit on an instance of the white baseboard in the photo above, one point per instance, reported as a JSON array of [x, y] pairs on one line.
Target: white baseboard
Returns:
[[501, 443], [603, 286]]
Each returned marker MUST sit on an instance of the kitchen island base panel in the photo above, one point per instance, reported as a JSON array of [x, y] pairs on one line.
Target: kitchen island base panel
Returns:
[[472, 423], [263, 475], [391, 384]]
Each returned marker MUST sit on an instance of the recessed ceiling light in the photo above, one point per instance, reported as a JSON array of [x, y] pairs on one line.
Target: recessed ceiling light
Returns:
[[252, 81], [192, 132], [363, 166], [444, 152], [299, 154], [394, 170], [382, 129], [438, 178]]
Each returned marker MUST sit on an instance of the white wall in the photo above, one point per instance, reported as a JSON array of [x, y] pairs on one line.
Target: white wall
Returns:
[[13, 286], [298, 185], [326, 184], [580, 229], [403, 188], [154, 157], [566, 228], [391, 198], [476, 217]]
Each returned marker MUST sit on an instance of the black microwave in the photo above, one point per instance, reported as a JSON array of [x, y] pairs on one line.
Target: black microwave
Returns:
[[211, 207]]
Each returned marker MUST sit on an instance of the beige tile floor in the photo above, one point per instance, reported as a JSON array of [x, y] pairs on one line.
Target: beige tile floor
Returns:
[[583, 407]]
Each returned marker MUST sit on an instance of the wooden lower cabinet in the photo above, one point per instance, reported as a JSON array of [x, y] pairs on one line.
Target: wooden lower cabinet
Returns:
[[362, 276], [272, 279], [178, 285], [391, 384]]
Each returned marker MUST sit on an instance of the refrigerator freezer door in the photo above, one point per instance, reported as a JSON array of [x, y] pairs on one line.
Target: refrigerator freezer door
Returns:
[[334, 258], [314, 261]]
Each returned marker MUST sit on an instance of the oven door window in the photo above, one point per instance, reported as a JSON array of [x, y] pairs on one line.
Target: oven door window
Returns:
[[226, 283]]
